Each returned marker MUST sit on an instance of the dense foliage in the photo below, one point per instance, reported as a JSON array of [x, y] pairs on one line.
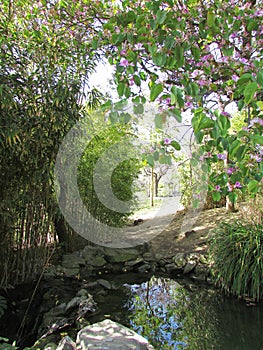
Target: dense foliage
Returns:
[[190, 55], [236, 253], [122, 178]]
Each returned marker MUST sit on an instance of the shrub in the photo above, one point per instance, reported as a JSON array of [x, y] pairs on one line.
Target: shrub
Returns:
[[236, 252]]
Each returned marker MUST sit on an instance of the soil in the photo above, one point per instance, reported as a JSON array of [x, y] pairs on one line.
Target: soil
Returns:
[[174, 239]]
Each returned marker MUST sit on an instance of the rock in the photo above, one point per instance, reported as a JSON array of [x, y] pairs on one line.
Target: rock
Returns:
[[180, 260], [66, 344], [86, 271], [74, 303], [85, 303], [72, 261], [158, 256], [144, 268], [56, 311], [70, 272], [110, 335], [149, 256], [201, 272], [104, 283], [190, 265], [171, 267], [82, 293], [50, 346], [88, 253], [133, 263], [98, 261], [91, 284], [114, 255]]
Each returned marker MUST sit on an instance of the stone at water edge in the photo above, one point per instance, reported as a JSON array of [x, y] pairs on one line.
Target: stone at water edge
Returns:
[[66, 344], [109, 335]]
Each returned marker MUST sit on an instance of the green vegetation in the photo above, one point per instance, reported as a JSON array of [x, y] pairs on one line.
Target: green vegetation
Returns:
[[122, 178], [191, 58], [236, 254]]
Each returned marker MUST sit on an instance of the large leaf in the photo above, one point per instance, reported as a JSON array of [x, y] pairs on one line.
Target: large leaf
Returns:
[[258, 139], [160, 16], [250, 91], [201, 121], [176, 145], [253, 186], [156, 89]]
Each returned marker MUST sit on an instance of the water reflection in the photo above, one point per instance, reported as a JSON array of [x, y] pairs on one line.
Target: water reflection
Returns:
[[174, 317]]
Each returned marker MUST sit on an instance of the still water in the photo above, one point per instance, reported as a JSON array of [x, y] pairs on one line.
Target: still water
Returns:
[[177, 314]]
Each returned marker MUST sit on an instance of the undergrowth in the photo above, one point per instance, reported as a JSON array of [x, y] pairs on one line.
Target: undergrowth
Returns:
[[236, 254]]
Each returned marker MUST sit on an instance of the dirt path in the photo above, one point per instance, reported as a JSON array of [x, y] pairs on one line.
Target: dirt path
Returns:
[[174, 238]]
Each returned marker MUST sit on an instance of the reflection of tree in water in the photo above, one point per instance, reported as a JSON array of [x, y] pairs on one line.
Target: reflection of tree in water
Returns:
[[170, 317]]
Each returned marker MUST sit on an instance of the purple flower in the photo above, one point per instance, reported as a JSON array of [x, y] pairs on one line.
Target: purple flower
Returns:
[[230, 171], [167, 141], [243, 60], [123, 52], [235, 77], [124, 62], [256, 120], [138, 46], [226, 114], [258, 158], [230, 187], [208, 155], [221, 156], [238, 185], [218, 188]]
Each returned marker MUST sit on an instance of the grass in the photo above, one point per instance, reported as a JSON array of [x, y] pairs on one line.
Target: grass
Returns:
[[236, 253]]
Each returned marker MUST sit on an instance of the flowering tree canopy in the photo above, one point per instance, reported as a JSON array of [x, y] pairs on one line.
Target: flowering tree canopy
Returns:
[[198, 55], [194, 55]]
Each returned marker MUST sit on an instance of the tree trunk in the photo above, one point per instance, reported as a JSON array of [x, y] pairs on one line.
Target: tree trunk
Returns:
[[152, 188]]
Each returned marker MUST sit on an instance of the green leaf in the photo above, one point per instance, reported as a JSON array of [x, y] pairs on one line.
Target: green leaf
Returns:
[[164, 159], [245, 78], [253, 186], [156, 155], [156, 89], [233, 148], [249, 92], [138, 108], [177, 96], [121, 88], [260, 77], [200, 122], [150, 160], [159, 59], [233, 197], [216, 196], [241, 153], [114, 116], [252, 25], [258, 139], [158, 120], [176, 114], [161, 16], [210, 19], [227, 51], [137, 80], [176, 145], [223, 122], [179, 54]]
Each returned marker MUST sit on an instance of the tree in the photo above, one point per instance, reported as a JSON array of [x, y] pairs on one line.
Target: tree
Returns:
[[44, 65], [198, 56]]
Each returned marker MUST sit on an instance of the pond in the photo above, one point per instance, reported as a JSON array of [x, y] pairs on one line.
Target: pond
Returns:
[[172, 313], [177, 314]]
